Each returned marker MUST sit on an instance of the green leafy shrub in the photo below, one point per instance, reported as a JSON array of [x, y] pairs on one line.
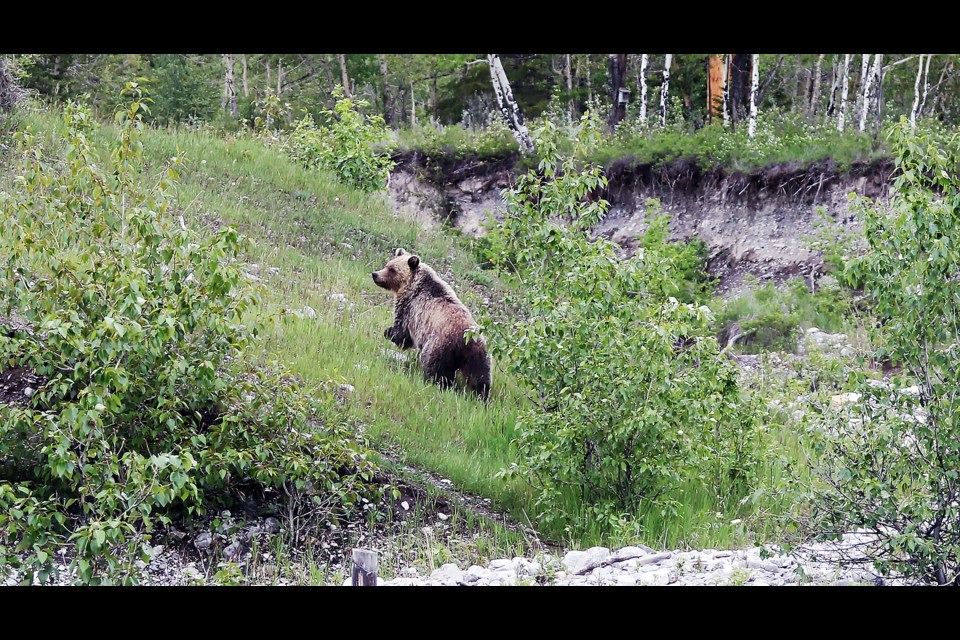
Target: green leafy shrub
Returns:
[[891, 465], [148, 408], [631, 397], [688, 280], [353, 145]]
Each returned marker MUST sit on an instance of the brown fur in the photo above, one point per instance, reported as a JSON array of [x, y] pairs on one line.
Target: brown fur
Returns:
[[429, 316]]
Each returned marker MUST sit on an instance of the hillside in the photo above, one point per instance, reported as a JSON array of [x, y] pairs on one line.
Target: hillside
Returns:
[[750, 434]]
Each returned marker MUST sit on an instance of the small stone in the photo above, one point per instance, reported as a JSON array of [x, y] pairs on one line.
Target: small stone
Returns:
[[272, 271], [203, 541], [502, 563], [308, 312], [409, 572], [337, 297], [191, 573], [442, 516], [347, 388], [271, 525], [233, 551], [405, 505], [29, 391]]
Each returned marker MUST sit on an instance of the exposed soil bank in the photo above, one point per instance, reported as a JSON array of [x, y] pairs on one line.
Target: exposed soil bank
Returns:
[[760, 222]]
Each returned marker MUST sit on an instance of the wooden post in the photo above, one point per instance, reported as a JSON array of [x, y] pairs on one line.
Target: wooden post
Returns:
[[364, 568]]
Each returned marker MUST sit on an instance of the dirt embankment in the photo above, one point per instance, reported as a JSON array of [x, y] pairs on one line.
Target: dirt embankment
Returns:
[[762, 222]]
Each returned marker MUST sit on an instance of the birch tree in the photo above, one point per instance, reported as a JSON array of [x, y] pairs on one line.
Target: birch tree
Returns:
[[642, 82], [665, 89], [344, 77], [881, 73], [864, 67], [834, 87], [229, 89], [726, 90], [815, 95], [754, 83], [916, 96], [845, 84], [568, 79], [246, 85], [508, 106], [926, 85], [873, 75], [867, 84]]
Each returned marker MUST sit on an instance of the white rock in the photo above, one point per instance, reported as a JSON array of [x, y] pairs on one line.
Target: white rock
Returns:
[[447, 573], [308, 312], [574, 561], [630, 552], [337, 297], [477, 570], [501, 563]]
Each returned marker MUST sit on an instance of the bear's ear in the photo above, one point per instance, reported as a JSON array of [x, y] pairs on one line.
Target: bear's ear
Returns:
[[414, 262], [399, 252]]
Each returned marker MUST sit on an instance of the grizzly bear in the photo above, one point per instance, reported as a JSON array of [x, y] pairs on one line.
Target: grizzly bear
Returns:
[[429, 316]]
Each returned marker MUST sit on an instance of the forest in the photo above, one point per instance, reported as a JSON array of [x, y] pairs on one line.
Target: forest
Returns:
[[719, 292]]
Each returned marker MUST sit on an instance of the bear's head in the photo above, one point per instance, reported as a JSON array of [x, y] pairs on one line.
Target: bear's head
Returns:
[[397, 274]]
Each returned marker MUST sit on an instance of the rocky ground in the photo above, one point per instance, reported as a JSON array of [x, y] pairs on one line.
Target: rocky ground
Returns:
[[643, 566]]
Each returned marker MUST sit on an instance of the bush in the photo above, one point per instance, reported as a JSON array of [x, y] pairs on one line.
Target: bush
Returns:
[[892, 464], [631, 397], [148, 408], [352, 145]]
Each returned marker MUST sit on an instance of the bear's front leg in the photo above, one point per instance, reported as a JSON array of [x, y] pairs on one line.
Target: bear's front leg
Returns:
[[398, 336]]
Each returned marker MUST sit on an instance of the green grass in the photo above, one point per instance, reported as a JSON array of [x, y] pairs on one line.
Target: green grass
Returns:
[[325, 239], [781, 138]]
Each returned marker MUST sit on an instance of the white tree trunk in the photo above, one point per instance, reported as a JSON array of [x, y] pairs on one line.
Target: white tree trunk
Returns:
[[834, 86], [508, 106], [878, 86], [845, 84], [726, 90], [344, 77], [246, 86], [644, 59], [754, 83], [926, 86], [413, 107], [815, 97], [916, 96], [568, 78], [665, 89], [865, 107], [864, 67], [279, 77], [589, 85], [229, 89]]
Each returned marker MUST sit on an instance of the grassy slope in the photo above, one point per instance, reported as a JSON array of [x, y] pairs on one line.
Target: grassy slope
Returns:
[[325, 239]]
